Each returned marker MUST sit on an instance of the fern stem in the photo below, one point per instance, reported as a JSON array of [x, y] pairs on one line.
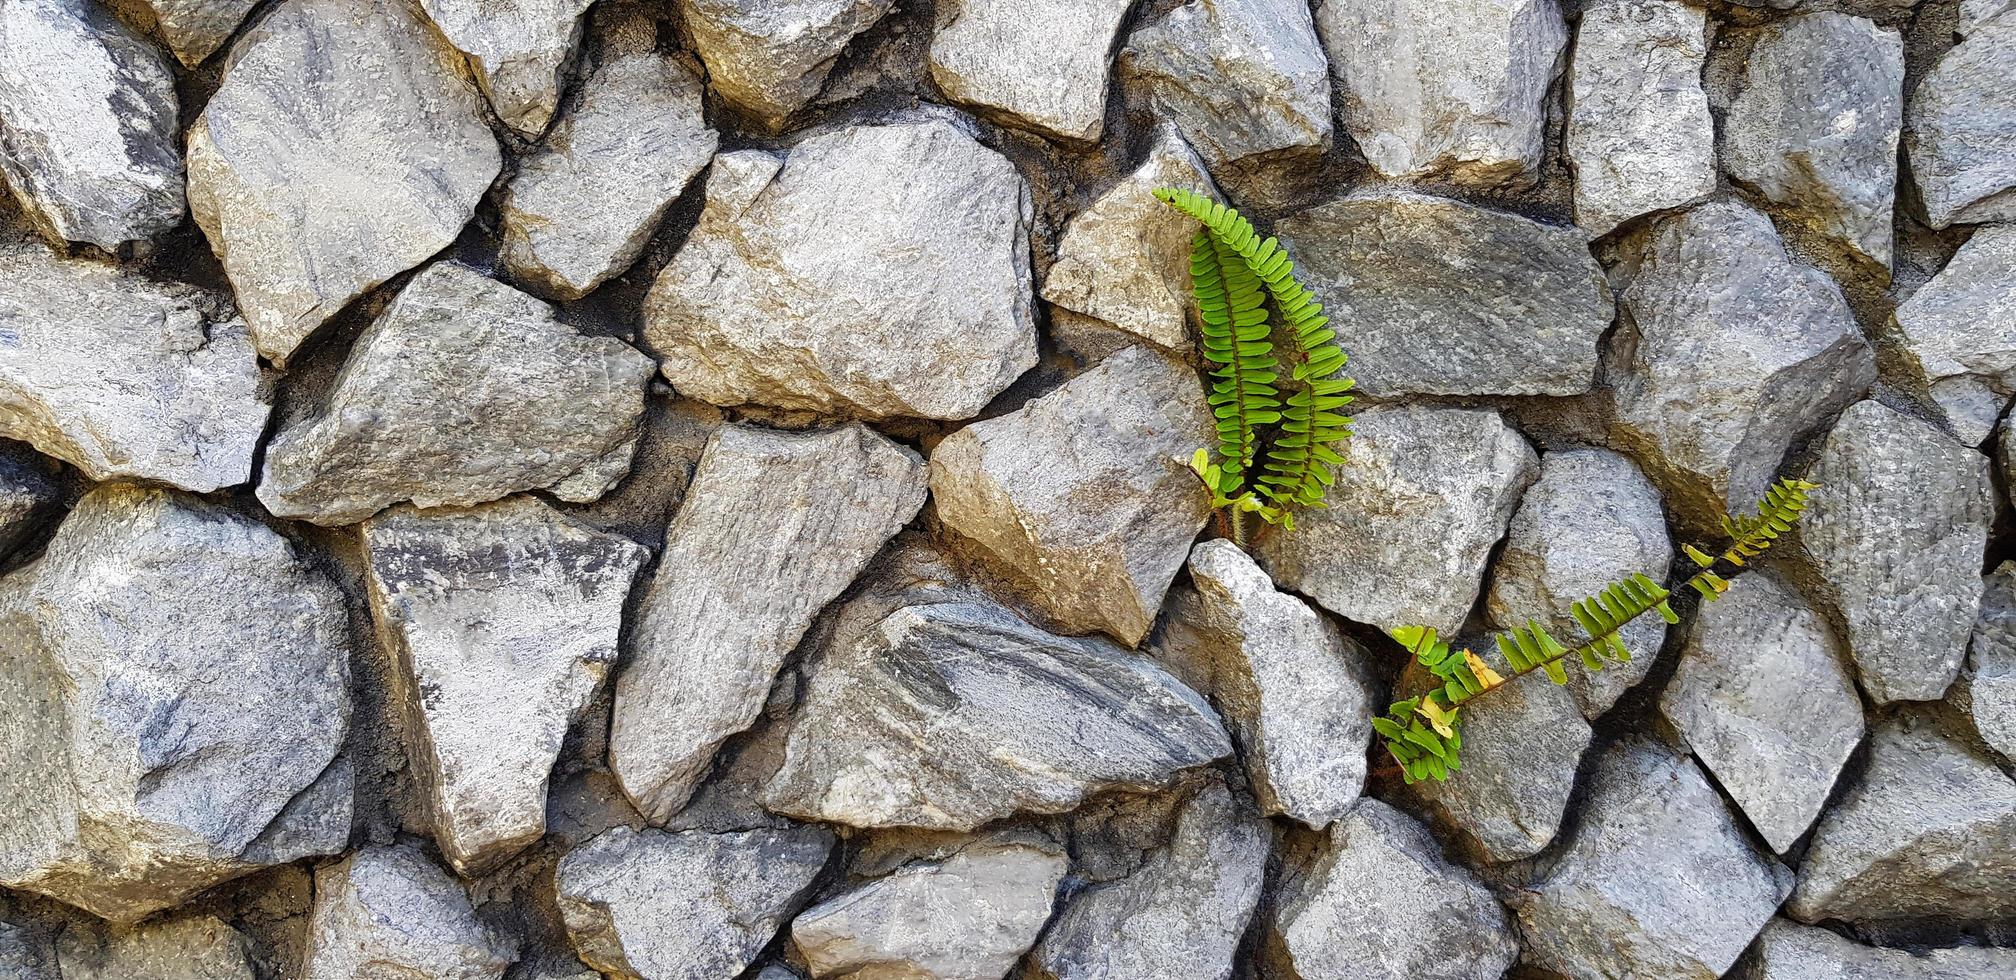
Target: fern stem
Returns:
[[1238, 521]]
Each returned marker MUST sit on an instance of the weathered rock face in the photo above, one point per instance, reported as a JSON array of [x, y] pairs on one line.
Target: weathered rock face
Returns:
[[194, 29], [503, 619], [924, 311], [1590, 520], [89, 141], [1085, 496], [1657, 881], [1125, 260], [1975, 13], [1761, 348], [1296, 694], [767, 58], [1452, 90], [1329, 927], [1749, 657], [1959, 333], [1640, 138], [391, 912], [647, 905], [27, 952], [953, 714], [1787, 950], [465, 390], [124, 377], [1180, 915], [1238, 77], [587, 200], [191, 947], [1961, 132], [983, 53], [1897, 537], [1521, 749], [176, 686], [897, 926], [27, 496], [345, 145], [519, 48], [1454, 474], [1449, 299], [1816, 126], [1928, 832], [1989, 694], [774, 526]]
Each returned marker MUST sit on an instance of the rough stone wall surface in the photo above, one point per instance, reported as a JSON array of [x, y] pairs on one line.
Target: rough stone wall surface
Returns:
[[696, 489]]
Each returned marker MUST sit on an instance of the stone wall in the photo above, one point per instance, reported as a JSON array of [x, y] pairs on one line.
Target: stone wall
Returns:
[[696, 489]]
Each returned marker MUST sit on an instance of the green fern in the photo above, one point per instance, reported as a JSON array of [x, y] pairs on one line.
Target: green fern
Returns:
[[1423, 733]]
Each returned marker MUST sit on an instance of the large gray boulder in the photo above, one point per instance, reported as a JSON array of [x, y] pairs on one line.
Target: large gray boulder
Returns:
[[1958, 333], [186, 947], [1787, 950], [648, 905], [1988, 695], [896, 926], [503, 622], [1364, 905], [773, 527], [1976, 13], [1444, 298], [463, 391], [1761, 348], [985, 54], [1521, 749], [1240, 78], [923, 311], [1816, 125], [519, 48], [1451, 474], [175, 693], [586, 201], [1084, 497], [391, 912], [1762, 698], [345, 145], [767, 58], [1928, 832], [125, 377], [1897, 535], [1960, 129], [88, 128], [1639, 138], [1450, 89]]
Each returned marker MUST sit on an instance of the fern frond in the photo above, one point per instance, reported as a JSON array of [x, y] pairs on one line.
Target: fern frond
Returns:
[[1776, 513], [1236, 337]]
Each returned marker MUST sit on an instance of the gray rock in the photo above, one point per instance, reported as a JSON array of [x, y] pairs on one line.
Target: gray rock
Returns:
[[897, 926], [1125, 259], [984, 55], [1897, 536], [924, 311], [1521, 749], [1238, 77], [1296, 694], [1362, 909], [1639, 138], [586, 201], [189, 947], [1764, 702], [1816, 126], [88, 143], [1452, 474], [1787, 950], [212, 664], [953, 714], [647, 905], [195, 29], [1085, 496], [1958, 333], [1590, 520], [26, 953], [767, 58], [519, 48], [1761, 348], [503, 620], [1180, 915], [391, 912], [1975, 13], [463, 391], [1445, 298], [1989, 693], [1452, 89], [1929, 832], [344, 146], [775, 525], [124, 377], [1658, 881], [28, 495], [1960, 130]]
